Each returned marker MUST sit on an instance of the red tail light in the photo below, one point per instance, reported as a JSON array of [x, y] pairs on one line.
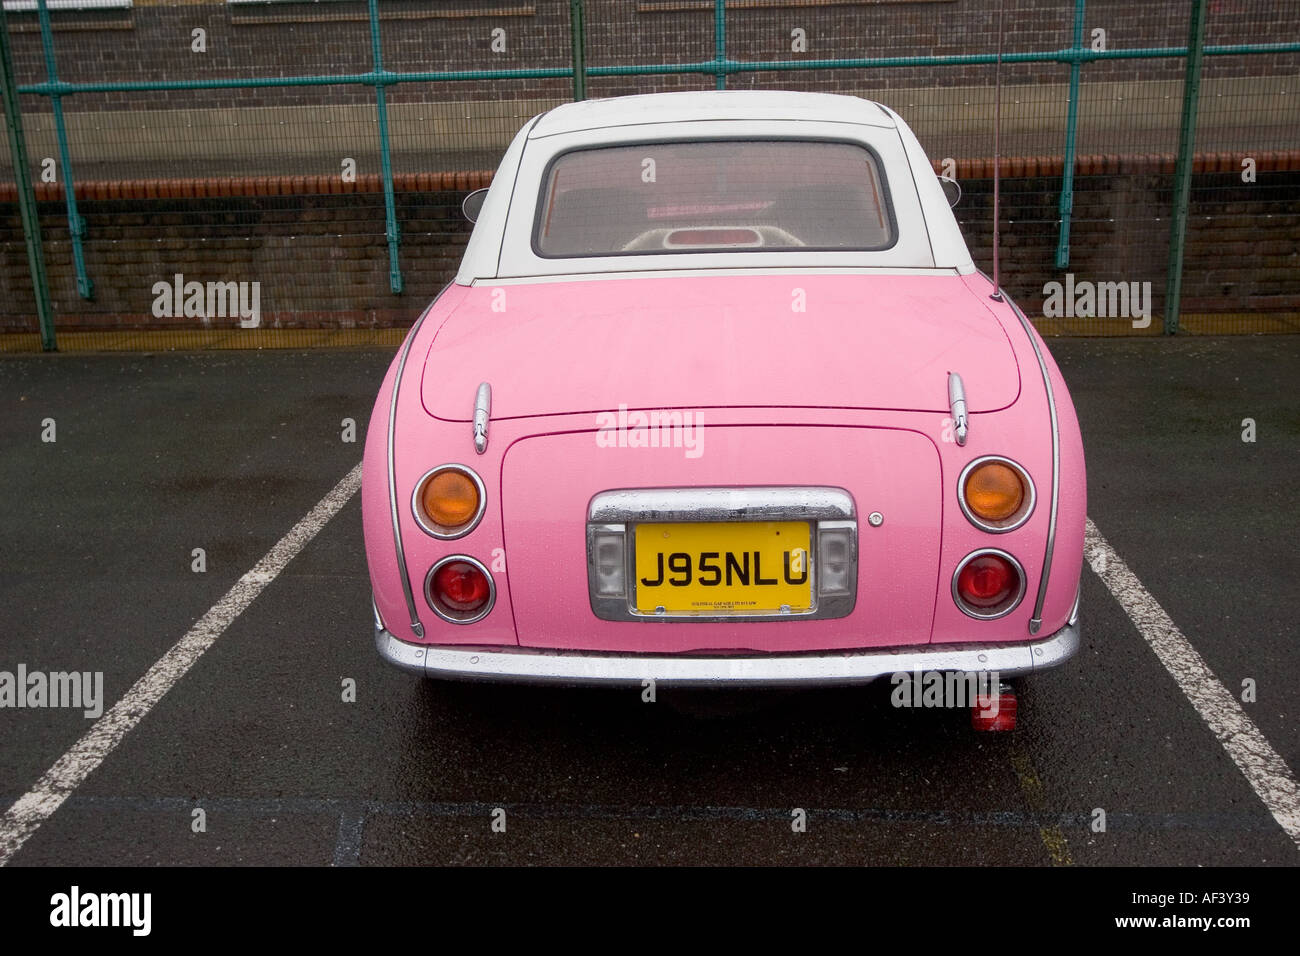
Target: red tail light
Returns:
[[986, 581], [460, 586], [989, 584], [460, 590]]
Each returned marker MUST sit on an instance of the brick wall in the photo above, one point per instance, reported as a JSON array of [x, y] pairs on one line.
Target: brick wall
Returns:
[[323, 262], [1241, 255], [322, 259]]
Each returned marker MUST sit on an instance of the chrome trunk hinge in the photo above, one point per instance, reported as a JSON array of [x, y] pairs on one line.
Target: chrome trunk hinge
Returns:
[[957, 402], [482, 413]]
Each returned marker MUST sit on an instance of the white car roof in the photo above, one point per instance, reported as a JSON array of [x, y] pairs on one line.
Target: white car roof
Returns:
[[500, 248], [742, 105]]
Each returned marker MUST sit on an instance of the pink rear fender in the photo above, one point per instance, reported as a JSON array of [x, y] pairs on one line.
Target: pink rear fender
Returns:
[[1024, 434], [376, 516], [376, 512], [1072, 503], [1072, 515]]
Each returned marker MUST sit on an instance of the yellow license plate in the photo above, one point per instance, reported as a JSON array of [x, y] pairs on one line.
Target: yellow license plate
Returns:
[[723, 567]]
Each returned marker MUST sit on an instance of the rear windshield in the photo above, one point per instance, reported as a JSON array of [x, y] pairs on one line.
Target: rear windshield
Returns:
[[713, 196]]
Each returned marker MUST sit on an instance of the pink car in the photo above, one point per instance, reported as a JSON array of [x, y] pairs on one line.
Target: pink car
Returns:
[[719, 398]]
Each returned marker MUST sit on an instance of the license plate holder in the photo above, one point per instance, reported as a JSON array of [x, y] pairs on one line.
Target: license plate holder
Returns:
[[723, 569]]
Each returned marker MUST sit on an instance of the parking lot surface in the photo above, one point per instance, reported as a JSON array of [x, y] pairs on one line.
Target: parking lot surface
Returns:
[[157, 455]]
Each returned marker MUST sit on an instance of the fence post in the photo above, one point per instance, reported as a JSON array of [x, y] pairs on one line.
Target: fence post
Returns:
[[720, 42], [76, 225], [26, 198], [578, 28], [392, 231], [1183, 171], [1066, 206]]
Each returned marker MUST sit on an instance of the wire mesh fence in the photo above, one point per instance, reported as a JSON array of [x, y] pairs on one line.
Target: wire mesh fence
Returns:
[[313, 154]]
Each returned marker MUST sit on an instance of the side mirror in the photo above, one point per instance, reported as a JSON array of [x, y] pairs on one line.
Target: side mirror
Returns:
[[951, 190], [473, 204]]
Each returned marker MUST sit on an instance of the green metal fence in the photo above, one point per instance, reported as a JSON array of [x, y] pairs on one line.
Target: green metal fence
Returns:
[[1127, 128]]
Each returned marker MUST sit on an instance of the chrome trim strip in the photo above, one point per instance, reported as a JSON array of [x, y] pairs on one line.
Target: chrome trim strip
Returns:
[[957, 405], [993, 616], [426, 524], [774, 503], [416, 626], [482, 413], [731, 271], [478, 616], [523, 665], [1026, 508], [1036, 621]]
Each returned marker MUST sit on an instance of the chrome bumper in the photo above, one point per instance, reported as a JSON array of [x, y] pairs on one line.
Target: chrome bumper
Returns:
[[532, 666]]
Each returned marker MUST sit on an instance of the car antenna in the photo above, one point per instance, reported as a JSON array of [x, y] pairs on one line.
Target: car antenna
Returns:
[[997, 157]]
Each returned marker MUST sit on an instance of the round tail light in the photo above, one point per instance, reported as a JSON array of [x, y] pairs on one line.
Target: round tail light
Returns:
[[460, 590], [449, 501], [995, 494], [988, 584]]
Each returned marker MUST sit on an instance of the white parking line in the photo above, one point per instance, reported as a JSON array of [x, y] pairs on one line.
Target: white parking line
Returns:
[[71, 770], [1267, 772]]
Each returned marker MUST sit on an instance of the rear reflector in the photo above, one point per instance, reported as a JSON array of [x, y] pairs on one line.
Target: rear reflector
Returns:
[[994, 711]]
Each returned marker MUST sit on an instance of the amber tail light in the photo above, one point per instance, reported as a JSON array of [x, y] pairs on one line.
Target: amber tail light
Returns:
[[449, 501]]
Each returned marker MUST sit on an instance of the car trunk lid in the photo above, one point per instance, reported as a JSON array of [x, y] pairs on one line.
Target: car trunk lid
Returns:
[[787, 340]]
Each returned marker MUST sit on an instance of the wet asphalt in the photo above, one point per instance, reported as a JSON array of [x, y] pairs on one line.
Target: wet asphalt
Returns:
[[159, 454]]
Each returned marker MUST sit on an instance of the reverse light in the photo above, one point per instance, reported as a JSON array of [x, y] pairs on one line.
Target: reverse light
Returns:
[[449, 501], [996, 494], [836, 560], [988, 584], [608, 547], [460, 589]]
